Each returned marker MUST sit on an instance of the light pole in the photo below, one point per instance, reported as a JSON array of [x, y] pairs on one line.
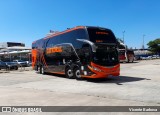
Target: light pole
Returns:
[[143, 42], [123, 35]]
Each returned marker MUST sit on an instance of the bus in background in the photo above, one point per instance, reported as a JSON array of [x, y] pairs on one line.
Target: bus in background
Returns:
[[80, 52], [125, 55]]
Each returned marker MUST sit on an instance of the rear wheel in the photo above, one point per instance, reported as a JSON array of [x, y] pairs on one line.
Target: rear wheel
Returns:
[[36, 68], [128, 60], [133, 59], [69, 73], [77, 73], [42, 70]]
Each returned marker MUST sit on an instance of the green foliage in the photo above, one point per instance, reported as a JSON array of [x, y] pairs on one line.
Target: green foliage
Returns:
[[154, 46]]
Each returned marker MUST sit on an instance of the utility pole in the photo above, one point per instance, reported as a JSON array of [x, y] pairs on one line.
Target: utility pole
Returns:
[[123, 35], [143, 42]]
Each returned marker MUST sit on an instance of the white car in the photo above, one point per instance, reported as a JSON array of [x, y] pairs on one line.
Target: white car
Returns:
[[155, 56], [21, 63], [149, 57]]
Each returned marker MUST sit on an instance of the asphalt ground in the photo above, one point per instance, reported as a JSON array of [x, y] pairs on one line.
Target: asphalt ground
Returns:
[[138, 85]]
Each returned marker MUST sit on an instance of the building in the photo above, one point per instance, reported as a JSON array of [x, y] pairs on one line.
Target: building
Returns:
[[10, 44], [10, 51]]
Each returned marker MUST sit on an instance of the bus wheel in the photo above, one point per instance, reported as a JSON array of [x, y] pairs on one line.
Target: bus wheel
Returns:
[[42, 70], [37, 68], [69, 73], [77, 73], [128, 60], [132, 60]]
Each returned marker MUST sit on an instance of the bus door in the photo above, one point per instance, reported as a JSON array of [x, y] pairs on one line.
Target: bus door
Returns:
[[86, 54]]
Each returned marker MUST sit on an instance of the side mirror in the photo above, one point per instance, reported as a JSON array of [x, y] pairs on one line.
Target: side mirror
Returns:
[[64, 61], [90, 43]]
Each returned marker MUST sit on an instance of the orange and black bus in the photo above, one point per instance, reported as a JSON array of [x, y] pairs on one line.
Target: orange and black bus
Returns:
[[79, 52]]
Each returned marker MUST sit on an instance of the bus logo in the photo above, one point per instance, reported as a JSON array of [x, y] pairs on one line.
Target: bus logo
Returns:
[[54, 50]]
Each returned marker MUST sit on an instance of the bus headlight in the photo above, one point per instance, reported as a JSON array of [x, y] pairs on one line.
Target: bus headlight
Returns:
[[82, 67], [96, 69], [85, 72]]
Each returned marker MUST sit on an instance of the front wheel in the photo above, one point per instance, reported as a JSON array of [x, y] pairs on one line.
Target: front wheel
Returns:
[[77, 73], [128, 60], [132, 60]]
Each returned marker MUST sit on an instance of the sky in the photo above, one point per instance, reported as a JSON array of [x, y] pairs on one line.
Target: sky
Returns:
[[28, 20]]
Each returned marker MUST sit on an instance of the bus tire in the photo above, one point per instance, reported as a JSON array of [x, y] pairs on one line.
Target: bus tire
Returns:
[[128, 60], [77, 73], [132, 60], [42, 70], [37, 68], [69, 73]]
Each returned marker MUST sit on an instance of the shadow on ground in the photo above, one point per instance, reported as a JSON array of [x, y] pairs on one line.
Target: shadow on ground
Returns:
[[117, 80], [129, 62]]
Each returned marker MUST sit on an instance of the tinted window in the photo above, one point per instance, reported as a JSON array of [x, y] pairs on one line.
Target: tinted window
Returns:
[[122, 52], [69, 37], [121, 47], [130, 52], [106, 56], [98, 35], [33, 45], [38, 44]]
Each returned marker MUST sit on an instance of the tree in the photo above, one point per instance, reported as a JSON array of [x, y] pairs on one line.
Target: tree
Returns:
[[154, 46]]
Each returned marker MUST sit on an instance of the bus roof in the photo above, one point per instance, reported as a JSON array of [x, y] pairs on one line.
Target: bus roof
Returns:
[[69, 30]]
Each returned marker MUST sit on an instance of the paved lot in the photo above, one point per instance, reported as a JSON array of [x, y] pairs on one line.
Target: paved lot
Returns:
[[139, 84]]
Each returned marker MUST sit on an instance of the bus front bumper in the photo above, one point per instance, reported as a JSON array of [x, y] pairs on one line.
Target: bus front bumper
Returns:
[[103, 72]]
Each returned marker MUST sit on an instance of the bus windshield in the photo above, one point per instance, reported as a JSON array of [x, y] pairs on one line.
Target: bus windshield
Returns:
[[122, 52], [106, 56], [98, 35]]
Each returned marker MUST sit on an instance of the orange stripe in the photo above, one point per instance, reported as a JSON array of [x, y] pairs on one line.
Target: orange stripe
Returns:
[[44, 61], [34, 55], [61, 73]]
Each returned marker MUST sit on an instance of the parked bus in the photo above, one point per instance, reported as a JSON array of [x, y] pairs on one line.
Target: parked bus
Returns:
[[125, 55], [83, 51]]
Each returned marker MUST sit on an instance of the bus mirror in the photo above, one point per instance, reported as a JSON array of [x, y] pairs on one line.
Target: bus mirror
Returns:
[[88, 42]]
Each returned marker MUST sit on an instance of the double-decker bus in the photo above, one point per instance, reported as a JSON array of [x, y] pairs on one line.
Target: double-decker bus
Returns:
[[80, 52], [125, 55]]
